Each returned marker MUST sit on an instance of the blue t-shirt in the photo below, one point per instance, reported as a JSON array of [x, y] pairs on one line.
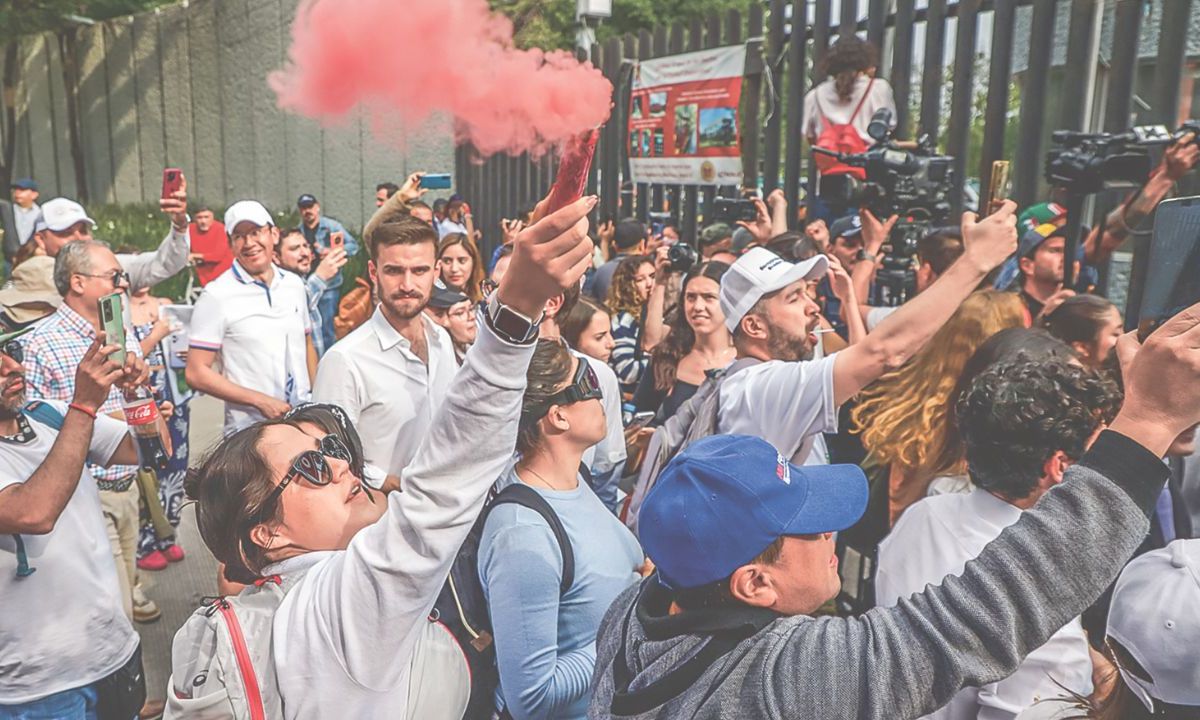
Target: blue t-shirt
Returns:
[[546, 645]]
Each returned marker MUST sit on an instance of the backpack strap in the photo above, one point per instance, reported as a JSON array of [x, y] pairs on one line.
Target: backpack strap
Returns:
[[861, 100], [525, 496], [44, 413]]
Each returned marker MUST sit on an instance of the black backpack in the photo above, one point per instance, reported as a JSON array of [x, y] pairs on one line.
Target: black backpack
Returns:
[[462, 607]]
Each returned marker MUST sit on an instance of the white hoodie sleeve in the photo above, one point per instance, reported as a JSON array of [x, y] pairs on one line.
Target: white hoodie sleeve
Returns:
[[362, 607]]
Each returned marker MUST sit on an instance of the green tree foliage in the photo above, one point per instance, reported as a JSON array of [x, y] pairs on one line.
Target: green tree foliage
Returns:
[[550, 24], [20, 17]]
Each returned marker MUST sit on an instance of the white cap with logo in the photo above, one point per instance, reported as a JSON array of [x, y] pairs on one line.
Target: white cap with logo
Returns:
[[247, 210], [60, 214], [1155, 615], [761, 272]]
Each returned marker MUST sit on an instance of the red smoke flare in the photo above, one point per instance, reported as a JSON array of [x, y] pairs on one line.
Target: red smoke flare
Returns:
[[404, 60]]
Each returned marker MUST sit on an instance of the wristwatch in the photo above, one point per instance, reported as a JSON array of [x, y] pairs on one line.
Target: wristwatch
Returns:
[[509, 324], [869, 257]]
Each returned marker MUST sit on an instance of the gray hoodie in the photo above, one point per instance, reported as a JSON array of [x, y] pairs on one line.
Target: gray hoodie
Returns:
[[899, 662]]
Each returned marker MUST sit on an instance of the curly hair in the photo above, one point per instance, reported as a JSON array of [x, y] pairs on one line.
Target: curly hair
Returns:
[[622, 294], [1017, 415], [681, 338], [905, 418], [475, 279], [848, 57]]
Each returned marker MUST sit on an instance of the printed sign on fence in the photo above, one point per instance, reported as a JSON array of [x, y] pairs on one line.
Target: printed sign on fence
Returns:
[[683, 118]]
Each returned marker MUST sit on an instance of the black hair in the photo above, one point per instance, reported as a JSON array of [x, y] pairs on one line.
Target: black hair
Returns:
[[628, 234], [941, 248], [1079, 318], [848, 57], [391, 187], [1017, 414], [681, 338], [793, 246]]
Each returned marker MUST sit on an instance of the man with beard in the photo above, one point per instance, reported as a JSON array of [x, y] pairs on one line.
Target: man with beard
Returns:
[[294, 254], [777, 392], [255, 317], [52, 528], [392, 373]]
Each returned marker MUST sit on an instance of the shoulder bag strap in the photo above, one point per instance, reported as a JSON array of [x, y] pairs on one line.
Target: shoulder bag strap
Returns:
[[862, 100], [525, 496]]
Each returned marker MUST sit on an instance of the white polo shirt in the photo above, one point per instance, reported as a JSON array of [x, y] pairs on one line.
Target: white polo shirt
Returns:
[[62, 627], [788, 404], [260, 332], [937, 537], [390, 395]]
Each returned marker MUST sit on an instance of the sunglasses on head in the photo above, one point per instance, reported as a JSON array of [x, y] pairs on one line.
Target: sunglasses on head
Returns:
[[584, 386], [14, 350]]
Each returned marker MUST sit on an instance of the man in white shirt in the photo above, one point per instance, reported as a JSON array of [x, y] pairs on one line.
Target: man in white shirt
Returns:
[[1023, 423], [787, 398], [255, 318], [19, 219], [392, 374], [64, 628]]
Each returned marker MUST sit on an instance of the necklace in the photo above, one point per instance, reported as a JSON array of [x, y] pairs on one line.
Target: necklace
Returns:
[[539, 477]]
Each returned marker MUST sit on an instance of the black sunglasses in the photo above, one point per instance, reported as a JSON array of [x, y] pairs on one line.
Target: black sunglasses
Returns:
[[14, 350], [584, 386], [116, 277], [310, 465]]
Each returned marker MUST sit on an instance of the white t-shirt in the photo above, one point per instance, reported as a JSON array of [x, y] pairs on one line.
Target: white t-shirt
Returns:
[[62, 627], [260, 332], [788, 404], [604, 455], [389, 393], [936, 538], [838, 112], [449, 227]]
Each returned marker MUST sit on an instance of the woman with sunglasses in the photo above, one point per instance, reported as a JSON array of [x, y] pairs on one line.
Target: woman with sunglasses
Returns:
[[546, 638], [361, 573]]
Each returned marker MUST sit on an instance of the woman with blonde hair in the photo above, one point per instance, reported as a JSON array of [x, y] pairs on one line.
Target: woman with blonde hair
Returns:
[[904, 418], [460, 266]]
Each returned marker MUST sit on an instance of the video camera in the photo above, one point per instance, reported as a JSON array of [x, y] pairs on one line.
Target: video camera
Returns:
[[906, 179], [1087, 163]]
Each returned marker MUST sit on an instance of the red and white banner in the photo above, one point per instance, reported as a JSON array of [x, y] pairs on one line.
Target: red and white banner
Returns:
[[683, 118]]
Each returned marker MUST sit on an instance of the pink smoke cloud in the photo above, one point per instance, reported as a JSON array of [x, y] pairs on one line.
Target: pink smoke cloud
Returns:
[[405, 60]]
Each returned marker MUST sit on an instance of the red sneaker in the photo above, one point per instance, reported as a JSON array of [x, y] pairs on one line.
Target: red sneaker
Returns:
[[173, 553], [153, 562]]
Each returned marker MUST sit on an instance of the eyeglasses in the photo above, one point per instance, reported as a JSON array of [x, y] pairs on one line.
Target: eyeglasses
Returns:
[[257, 232], [584, 386], [14, 350], [116, 276], [310, 465]]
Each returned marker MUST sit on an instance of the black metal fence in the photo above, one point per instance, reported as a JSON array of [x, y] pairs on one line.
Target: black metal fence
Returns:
[[978, 119]]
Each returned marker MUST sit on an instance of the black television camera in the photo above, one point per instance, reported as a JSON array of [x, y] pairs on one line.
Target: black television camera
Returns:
[[1087, 163], [906, 179]]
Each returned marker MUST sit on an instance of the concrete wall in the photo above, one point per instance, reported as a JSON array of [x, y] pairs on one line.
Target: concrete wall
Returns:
[[186, 86]]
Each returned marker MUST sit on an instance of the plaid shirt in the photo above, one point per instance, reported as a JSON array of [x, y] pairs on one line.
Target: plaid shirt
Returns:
[[53, 351]]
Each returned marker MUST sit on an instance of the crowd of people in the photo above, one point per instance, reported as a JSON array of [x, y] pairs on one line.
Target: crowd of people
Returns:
[[583, 475]]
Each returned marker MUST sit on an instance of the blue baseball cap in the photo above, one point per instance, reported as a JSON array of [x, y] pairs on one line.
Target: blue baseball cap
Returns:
[[25, 184], [722, 501], [849, 226]]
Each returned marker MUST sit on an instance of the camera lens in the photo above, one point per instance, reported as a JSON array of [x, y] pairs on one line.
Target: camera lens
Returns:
[[682, 257]]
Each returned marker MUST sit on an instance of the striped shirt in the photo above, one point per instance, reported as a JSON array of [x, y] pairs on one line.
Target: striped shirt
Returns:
[[627, 361], [53, 351]]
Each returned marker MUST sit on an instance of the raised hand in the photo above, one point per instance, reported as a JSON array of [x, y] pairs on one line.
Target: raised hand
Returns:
[[875, 232], [548, 257], [96, 373], [990, 241], [333, 261], [761, 227], [1180, 157], [1162, 382], [819, 232], [411, 189], [839, 280]]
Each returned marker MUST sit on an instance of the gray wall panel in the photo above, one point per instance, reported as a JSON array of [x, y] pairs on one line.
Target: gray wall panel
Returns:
[[23, 157], [177, 94], [147, 72], [123, 111], [208, 180], [342, 196], [39, 116], [65, 170], [384, 160], [93, 114], [237, 43], [269, 146]]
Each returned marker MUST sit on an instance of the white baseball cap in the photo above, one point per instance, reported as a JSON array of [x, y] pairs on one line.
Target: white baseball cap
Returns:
[[1155, 615], [243, 210], [60, 214], [760, 272]]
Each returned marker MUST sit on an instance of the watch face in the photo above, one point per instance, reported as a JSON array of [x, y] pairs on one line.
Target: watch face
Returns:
[[511, 324]]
